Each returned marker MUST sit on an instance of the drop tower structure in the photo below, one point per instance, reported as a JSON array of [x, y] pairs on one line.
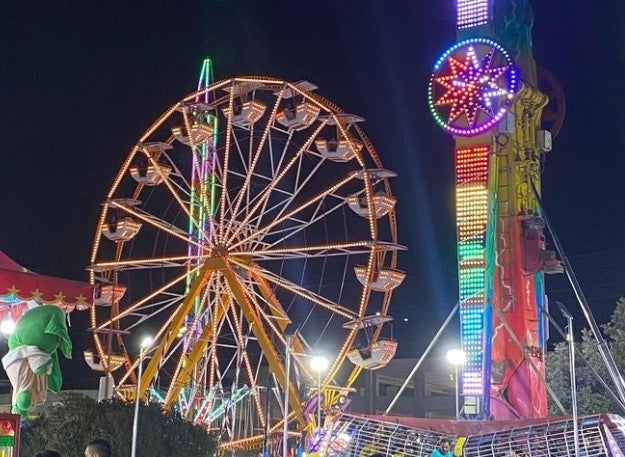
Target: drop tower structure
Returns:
[[483, 91]]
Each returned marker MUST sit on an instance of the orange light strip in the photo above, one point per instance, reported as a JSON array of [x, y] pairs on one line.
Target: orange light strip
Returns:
[[320, 247], [132, 262]]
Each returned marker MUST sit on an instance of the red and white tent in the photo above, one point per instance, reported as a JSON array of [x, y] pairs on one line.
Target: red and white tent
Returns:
[[21, 289]]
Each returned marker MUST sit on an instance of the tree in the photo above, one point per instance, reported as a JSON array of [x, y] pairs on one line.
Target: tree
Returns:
[[68, 428], [592, 397]]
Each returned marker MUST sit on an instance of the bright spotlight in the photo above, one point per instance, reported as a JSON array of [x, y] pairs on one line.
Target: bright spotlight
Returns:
[[146, 342], [456, 356], [7, 326], [319, 363]]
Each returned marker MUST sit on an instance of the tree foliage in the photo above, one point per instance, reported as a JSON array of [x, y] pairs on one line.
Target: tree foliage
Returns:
[[68, 428], [592, 397]]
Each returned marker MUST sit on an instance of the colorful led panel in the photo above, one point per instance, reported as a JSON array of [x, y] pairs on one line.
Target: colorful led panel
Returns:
[[472, 13], [471, 224], [472, 86]]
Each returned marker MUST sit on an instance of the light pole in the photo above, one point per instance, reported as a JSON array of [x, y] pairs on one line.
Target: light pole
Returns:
[[145, 345], [456, 357], [569, 319], [319, 364], [289, 331]]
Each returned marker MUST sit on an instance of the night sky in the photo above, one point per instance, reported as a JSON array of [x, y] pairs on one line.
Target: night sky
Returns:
[[80, 81]]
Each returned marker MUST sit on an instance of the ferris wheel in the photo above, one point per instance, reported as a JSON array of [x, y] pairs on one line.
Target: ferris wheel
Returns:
[[250, 209]]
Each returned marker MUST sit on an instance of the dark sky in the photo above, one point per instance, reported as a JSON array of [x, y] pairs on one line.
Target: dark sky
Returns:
[[80, 81]]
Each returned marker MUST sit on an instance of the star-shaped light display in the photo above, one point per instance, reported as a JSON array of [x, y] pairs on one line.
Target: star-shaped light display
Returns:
[[472, 87]]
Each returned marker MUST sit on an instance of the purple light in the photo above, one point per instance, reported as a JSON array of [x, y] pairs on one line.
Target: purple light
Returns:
[[472, 13]]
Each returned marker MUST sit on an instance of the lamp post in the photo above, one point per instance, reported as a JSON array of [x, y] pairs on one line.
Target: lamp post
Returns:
[[456, 357], [319, 364], [569, 319], [289, 331], [267, 419], [145, 345]]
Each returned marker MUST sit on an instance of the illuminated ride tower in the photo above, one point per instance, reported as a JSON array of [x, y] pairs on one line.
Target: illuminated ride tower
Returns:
[[483, 91]]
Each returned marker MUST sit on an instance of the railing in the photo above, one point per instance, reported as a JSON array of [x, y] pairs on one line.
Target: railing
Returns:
[[355, 436], [363, 437]]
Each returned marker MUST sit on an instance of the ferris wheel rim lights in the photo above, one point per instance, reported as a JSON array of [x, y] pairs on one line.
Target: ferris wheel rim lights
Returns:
[[506, 94]]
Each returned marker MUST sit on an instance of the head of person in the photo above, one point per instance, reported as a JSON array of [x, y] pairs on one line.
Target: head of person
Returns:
[[98, 448], [47, 454], [445, 445]]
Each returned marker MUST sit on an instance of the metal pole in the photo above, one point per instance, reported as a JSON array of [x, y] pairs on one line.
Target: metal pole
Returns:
[[457, 396], [569, 319], [423, 356], [607, 388], [573, 384], [604, 351], [267, 419], [135, 421], [285, 430], [319, 400]]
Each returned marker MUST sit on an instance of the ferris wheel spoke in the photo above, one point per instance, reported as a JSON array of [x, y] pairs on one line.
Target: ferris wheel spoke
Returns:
[[255, 156], [299, 225], [299, 252], [263, 180], [276, 318], [264, 195], [157, 223], [142, 263], [298, 290], [133, 307], [156, 308], [226, 164], [283, 205], [317, 198], [168, 183]]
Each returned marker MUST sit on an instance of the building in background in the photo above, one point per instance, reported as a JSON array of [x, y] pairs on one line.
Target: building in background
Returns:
[[429, 394]]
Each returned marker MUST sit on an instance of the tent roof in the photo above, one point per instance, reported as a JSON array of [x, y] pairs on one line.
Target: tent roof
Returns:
[[19, 286]]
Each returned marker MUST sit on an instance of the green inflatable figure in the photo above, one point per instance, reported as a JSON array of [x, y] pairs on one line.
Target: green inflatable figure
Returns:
[[32, 363]]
